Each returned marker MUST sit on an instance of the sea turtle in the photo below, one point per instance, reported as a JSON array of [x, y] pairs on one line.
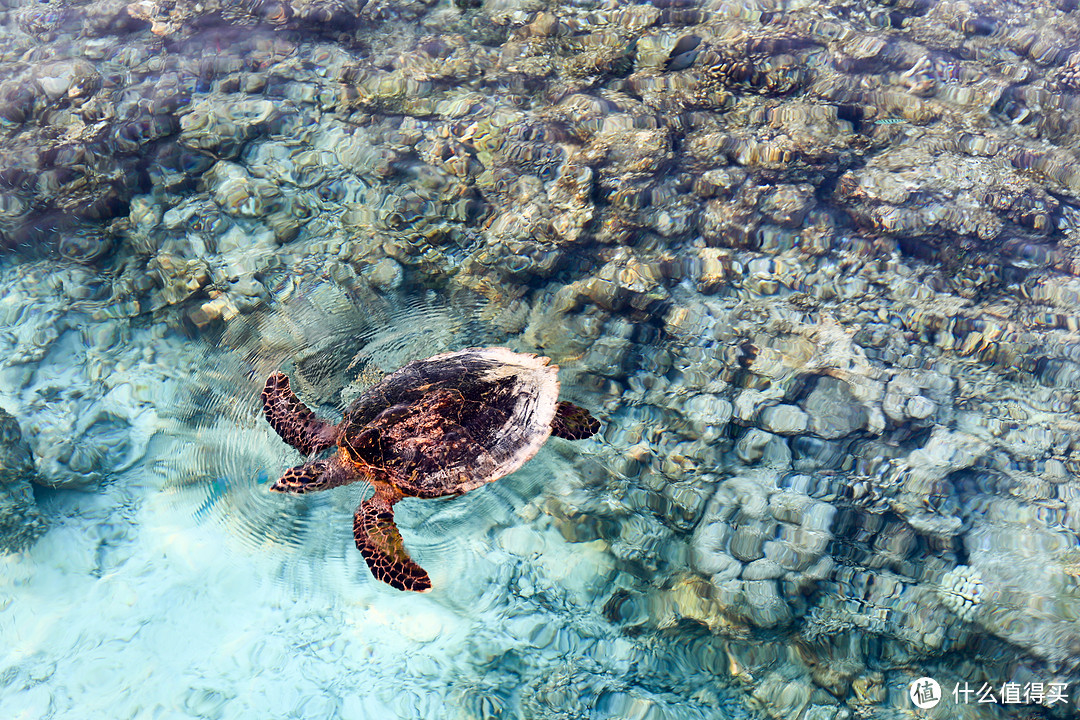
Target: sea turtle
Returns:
[[438, 427]]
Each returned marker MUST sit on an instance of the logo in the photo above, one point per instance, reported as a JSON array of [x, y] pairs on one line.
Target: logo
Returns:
[[925, 693]]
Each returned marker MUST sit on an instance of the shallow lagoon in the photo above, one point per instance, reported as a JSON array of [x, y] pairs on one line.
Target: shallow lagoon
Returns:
[[813, 265]]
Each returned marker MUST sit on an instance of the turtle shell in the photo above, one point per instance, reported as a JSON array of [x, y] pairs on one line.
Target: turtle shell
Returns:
[[453, 422]]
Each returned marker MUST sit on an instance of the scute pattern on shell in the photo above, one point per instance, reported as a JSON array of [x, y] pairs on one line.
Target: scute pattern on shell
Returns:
[[450, 423]]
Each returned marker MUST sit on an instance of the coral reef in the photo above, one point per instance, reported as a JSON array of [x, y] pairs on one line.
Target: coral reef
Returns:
[[86, 384], [816, 263]]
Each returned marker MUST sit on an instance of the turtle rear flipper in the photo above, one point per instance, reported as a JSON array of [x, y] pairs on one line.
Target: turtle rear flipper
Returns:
[[573, 423], [378, 540], [292, 420], [315, 475]]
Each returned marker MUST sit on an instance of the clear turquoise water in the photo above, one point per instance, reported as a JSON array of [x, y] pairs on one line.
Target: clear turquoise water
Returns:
[[182, 588], [817, 279]]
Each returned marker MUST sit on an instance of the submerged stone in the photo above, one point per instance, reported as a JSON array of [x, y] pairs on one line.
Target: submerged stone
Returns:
[[21, 522]]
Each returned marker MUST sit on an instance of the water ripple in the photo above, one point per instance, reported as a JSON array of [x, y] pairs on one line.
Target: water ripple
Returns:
[[333, 341]]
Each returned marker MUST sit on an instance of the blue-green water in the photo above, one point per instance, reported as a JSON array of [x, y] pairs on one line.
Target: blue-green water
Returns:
[[812, 265]]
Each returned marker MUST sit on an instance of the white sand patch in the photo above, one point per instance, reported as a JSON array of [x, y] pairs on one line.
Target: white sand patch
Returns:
[[194, 620], [192, 624]]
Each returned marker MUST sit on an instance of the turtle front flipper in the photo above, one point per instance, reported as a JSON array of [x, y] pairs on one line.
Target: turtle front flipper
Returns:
[[292, 420], [315, 475], [378, 540], [573, 423]]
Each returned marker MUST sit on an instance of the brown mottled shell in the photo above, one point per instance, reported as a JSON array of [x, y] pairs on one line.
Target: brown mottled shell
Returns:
[[453, 422]]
